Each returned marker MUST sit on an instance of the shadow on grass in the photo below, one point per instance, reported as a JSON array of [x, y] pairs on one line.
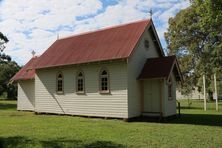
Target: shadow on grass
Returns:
[[11, 142], [57, 143], [7, 106], [194, 119], [198, 119]]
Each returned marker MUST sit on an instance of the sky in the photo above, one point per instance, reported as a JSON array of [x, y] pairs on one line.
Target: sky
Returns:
[[35, 24]]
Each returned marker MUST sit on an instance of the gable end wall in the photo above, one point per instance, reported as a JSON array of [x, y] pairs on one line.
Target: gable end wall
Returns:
[[26, 95], [134, 67]]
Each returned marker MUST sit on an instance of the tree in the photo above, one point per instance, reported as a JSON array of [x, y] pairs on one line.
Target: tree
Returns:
[[3, 41], [195, 36], [8, 68]]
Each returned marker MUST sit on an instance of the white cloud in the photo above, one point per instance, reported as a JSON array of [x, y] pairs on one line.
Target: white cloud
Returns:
[[34, 24], [173, 7]]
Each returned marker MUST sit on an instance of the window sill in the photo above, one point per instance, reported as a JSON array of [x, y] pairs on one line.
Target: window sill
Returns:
[[104, 92], [170, 98], [80, 93], [60, 92]]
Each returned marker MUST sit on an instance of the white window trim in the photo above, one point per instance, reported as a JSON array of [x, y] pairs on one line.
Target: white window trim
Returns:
[[100, 81], [77, 78], [170, 84], [57, 79]]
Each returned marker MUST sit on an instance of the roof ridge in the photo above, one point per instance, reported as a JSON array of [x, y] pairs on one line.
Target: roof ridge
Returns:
[[103, 29]]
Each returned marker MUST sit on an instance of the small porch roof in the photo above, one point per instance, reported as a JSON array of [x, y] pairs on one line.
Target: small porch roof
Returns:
[[160, 67], [27, 72]]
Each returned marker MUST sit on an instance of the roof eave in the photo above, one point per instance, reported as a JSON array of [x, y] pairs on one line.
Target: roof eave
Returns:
[[175, 63], [72, 64], [22, 79], [157, 37], [153, 78]]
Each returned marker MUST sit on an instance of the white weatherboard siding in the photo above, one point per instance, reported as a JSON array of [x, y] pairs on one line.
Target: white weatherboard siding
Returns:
[[26, 95], [170, 105], [135, 65], [90, 104]]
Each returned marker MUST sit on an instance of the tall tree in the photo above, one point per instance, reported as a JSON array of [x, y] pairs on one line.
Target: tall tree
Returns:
[[195, 36]]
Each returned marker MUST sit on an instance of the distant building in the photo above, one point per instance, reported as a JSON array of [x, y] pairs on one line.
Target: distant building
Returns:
[[195, 94]]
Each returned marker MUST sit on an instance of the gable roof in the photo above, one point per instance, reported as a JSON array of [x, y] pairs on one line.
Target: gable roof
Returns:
[[116, 42], [112, 43], [160, 68], [27, 72]]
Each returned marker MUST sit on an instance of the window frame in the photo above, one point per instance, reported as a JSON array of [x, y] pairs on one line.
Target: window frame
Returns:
[[77, 82], [170, 89], [100, 81], [57, 83], [146, 44]]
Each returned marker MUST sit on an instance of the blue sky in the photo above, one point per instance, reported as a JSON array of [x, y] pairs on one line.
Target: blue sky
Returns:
[[35, 24]]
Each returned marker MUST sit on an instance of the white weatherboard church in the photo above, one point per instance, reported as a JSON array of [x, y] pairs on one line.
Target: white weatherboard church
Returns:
[[118, 72]]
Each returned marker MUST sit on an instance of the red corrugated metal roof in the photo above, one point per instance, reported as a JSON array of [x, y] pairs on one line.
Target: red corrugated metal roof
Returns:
[[27, 72], [107, 44], [159, 68]]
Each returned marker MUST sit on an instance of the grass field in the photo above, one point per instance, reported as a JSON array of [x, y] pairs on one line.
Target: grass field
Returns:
[[195, 128]]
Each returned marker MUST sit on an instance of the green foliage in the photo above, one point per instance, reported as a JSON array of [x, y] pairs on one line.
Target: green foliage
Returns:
[[195, 128], [7, 70], [195, 36]]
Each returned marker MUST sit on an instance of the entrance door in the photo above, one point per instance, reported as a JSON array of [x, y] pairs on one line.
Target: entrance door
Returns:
[[151, 96]]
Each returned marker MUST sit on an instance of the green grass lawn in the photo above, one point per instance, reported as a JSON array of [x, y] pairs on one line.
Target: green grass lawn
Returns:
[[195, 128]]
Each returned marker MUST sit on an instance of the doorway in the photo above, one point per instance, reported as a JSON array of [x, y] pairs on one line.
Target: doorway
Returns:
[[151, 104]]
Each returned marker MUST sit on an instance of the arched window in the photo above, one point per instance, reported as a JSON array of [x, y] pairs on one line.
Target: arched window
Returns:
[[80, 86], [60, 82], [170, 89], [104, 81]]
